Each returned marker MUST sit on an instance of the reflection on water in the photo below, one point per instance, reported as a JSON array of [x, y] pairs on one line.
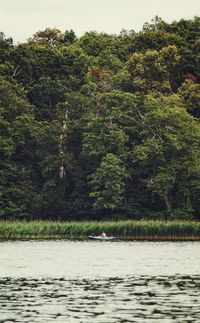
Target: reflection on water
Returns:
[[86, 282], [133, 299]]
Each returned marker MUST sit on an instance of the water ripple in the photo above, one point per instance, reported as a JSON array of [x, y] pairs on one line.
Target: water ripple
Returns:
[[129, 299]]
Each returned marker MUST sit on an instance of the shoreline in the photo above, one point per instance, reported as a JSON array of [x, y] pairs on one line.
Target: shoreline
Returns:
[[127, 230], [129, 239]]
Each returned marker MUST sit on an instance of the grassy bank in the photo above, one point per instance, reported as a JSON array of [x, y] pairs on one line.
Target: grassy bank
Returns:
[[127, 230]]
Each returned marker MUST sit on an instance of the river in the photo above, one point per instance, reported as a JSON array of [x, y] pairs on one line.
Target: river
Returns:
[[87, 281]]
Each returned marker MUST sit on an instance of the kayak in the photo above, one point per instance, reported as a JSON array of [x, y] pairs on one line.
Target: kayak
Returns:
[[101, 238]]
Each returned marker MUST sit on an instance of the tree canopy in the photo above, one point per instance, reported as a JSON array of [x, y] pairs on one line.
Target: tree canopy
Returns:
[[102, 125]]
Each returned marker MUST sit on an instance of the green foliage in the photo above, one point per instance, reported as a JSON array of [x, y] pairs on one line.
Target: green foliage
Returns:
[[53, 37], [151, 70], [93, 43], [107, 183], [190, 92], [6, 45], [169, 150], [101, 125], [16, 120]]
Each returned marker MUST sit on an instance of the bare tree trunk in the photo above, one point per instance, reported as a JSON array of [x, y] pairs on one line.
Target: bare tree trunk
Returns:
[[125, 200], [168, 203], [61, 143]]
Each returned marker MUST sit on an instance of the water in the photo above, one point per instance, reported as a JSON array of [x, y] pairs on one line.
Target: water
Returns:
[[71, 281]]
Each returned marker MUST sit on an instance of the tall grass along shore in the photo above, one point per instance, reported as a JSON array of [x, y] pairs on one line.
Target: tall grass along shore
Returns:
[[125, 230]]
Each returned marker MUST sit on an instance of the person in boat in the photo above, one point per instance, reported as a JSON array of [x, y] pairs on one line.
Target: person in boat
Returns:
[[103, 235]]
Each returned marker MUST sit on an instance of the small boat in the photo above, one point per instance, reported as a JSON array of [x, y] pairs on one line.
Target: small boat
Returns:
[[101, 238]]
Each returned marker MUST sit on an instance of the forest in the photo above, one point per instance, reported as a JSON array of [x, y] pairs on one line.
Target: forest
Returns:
[[101, 126]]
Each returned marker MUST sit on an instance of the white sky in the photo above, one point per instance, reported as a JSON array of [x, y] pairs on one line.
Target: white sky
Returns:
[[20, 19]]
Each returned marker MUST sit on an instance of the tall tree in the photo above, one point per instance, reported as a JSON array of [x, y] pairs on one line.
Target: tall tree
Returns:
[[16, 119], [169, 151]]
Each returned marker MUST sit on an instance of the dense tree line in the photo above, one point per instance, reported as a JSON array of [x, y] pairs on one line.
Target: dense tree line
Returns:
[[101, 126]]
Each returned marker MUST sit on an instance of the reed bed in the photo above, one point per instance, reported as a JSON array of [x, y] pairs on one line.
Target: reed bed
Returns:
[[124, 230]]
